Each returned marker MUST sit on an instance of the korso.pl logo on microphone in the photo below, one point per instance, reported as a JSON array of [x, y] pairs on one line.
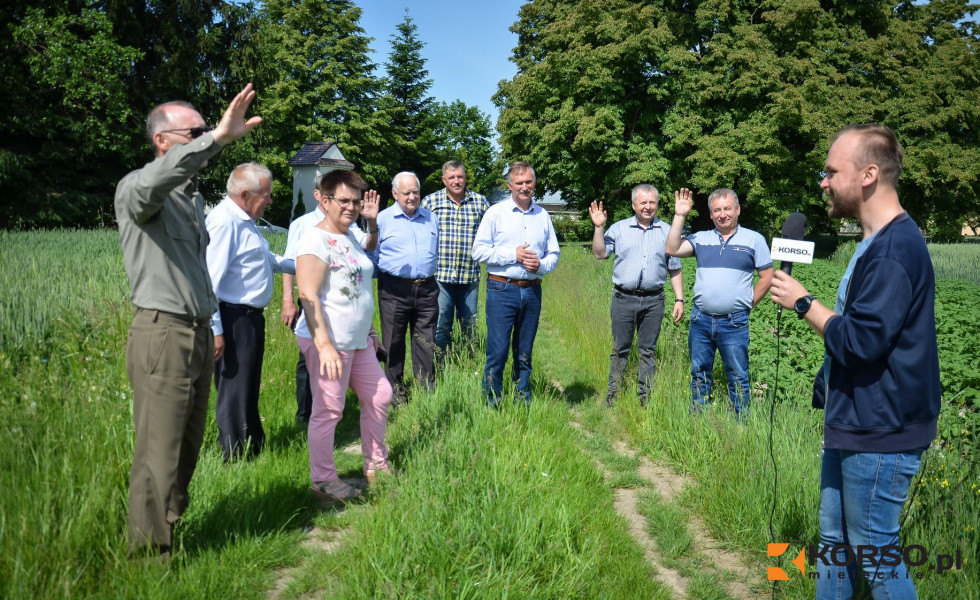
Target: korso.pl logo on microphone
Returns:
[[814, 562]]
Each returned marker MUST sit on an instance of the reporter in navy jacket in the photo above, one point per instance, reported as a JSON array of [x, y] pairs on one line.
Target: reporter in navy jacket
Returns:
[[879, 384]]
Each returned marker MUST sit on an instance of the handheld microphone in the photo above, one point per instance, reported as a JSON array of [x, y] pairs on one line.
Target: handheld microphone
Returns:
[[790, 248]]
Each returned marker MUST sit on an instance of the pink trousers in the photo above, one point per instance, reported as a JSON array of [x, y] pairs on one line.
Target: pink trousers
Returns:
[[363, 374]]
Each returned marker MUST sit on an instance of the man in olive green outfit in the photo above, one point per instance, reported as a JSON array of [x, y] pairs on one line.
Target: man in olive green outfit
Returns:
[[170, 355]]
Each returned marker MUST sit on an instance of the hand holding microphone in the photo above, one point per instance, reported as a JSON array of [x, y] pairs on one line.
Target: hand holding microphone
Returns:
[[790, 249]]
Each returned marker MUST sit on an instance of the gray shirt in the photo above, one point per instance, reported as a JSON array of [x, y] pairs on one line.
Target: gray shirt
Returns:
[[161, 230]]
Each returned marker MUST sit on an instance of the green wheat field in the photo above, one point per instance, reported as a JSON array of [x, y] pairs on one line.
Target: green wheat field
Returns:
[[513, 503]]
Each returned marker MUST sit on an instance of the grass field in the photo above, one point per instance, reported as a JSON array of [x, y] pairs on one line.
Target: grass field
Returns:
[[486, 504]]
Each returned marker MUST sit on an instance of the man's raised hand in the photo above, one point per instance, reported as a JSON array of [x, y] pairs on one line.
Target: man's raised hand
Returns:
[[683, 202], [597, 214], [233, 125]]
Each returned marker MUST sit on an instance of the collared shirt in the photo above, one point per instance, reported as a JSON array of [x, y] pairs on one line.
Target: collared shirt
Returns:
[[239, 260], [301, 224], [457, 229], [407, 246], [723, 280], [641, 260], [161, 231], [505, 227]]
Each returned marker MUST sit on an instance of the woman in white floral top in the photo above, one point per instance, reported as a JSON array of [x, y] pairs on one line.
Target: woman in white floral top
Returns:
[[336, 335]]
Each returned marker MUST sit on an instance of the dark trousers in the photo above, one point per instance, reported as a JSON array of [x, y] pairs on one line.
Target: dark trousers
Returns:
[[304, 393], [406, 307], [169, 360], [237, 376], [643, 315]]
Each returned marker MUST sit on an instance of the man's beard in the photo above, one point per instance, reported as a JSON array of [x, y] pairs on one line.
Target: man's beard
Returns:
[[841, 208]]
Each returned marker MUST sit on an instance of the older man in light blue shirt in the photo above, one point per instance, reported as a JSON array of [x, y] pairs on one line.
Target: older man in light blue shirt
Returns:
[[640, 271], [517, 242], [408, 297], [241, 265]]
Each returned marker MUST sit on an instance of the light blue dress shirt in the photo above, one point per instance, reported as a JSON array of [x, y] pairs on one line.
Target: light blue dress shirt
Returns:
[[641, 261], [407, 246], [505, 227], [239, 260]]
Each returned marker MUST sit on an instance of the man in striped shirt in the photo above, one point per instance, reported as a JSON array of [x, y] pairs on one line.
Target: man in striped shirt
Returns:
[[640, 270], [458, 212], [728, 256]]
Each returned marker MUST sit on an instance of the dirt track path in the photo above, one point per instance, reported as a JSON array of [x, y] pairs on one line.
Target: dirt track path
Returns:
[[668, 485]]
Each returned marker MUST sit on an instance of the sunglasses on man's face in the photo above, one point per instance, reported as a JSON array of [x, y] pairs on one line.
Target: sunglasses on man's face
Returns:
[[193, 132]]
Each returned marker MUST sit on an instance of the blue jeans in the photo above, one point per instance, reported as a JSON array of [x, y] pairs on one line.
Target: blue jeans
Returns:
[[861, 500], [456, 300], [512, 323], [729, 335]]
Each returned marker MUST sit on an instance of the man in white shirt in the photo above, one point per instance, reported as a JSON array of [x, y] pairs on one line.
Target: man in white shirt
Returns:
[[241, 266], [517, 242], [290, 309]]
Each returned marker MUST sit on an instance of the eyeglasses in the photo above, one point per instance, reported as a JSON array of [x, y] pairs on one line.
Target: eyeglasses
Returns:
[[347, 202], [194, 132]]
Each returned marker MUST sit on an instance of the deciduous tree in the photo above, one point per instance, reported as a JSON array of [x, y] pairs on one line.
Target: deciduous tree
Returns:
[[742, 94]]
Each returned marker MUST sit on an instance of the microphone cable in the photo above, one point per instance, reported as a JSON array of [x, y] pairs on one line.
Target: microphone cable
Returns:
[[772, 454]]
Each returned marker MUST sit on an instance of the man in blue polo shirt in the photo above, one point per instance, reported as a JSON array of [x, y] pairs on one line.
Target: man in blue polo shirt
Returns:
[[639, 273], [408, 297], [723, 293]]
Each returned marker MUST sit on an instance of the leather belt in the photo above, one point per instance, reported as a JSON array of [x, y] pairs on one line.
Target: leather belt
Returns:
[[155, 315], [639, 293], [245, 308], [517, 282], [408, 281]]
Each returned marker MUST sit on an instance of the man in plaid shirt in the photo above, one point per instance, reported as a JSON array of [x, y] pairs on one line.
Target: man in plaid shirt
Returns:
[[458, 212]]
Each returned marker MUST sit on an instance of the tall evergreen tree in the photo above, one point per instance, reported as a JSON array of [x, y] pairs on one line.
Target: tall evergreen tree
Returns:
[[408, 103], [309, 60]]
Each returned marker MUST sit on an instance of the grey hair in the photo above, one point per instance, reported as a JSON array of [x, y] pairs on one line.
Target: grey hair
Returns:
[[159, 117], [394, 182], [645, 188], [247, 177], [452, 165], [722, 193], [520, 166]]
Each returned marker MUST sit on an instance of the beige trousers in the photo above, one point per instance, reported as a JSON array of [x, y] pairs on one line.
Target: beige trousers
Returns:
[[170, 361]]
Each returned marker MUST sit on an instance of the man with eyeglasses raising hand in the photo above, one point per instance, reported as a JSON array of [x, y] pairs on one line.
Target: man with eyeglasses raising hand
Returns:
[[170, 354]]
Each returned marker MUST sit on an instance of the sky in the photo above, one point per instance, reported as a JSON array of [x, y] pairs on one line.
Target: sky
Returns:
[[467, 44]]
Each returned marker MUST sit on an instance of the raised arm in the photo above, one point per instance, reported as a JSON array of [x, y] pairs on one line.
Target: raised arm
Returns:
[[676, 246], [369, 210], [598, 217], [233, 125]]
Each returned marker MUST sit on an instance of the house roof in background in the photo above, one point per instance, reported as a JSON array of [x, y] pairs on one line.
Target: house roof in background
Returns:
[[312, 154]]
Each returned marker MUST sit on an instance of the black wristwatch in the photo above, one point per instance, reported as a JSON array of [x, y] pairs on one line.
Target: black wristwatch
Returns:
[[803, 305]]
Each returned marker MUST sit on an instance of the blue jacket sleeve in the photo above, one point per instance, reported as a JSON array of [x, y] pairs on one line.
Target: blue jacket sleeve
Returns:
[[873, 316]]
